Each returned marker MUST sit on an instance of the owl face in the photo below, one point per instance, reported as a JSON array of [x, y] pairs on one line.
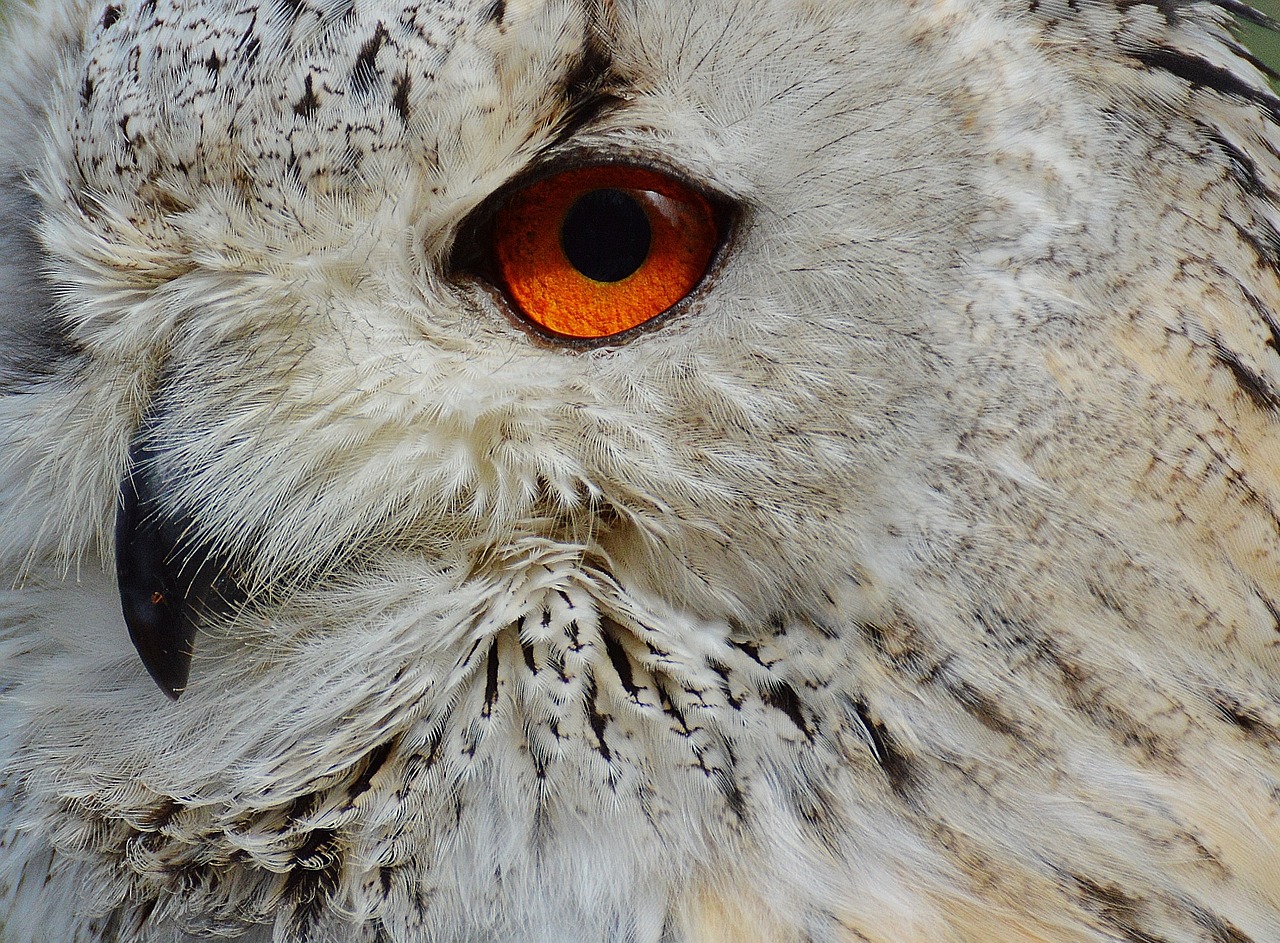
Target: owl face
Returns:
[[619, 471], [290, 283], [408, 473]]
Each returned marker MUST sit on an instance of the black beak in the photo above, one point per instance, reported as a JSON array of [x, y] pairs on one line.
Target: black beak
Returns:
[[167, 579]]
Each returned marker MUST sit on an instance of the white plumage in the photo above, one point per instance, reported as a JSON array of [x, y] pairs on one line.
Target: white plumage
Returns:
[[913, 578]]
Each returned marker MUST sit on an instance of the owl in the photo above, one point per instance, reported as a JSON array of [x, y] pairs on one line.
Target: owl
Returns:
[[627, 471]]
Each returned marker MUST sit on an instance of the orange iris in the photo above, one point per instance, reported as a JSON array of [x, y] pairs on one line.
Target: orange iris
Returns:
[[595, 251]]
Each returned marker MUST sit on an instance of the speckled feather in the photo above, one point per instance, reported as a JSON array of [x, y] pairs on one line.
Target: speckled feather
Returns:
[[915, 579]]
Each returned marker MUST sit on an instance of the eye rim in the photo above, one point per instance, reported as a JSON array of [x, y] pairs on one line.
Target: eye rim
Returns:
[[472, 258]]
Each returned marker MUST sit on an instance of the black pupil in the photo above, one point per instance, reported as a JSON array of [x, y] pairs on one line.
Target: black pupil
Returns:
[[605, 235]]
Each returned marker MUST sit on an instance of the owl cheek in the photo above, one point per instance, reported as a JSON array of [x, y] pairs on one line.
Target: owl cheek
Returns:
[[166, 579]]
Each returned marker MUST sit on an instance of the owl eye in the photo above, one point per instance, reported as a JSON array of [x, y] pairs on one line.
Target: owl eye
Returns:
[[595, 251]]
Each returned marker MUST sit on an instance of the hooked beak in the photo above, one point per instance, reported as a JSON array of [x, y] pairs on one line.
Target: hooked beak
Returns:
[[167, 578]]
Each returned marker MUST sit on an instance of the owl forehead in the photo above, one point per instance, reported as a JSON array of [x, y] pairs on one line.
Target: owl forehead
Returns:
[[276, 100]]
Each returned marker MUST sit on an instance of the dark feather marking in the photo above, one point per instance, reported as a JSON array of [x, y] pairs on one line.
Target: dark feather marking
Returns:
[[576, 641], [671, 709], [313, 880], [898, 767], [586, 88], [1265, 243], [1248, 720], [982, 708], [1266, 316], [752, 651], [1085, 693], [727, 782], [1117, 909], [471, 652], [934, 670], [364, 74], [373, 764], [618, 657], [1249, 380], [1271, 607], [783, 697], [307, 913], [249, 48], [491, 681], [142, 916], [318, 851], [670, 933], [1241, 484], [306, 106], [426, 758], [300, 808], [598, 721], [1200, 73], [726, 688], [526, 650], [1243, 168], [817, 810], [1109, 599], [400, 96], [1223, 932]]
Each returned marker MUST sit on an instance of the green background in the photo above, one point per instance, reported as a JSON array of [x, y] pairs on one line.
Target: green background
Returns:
[[1265, 43]]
